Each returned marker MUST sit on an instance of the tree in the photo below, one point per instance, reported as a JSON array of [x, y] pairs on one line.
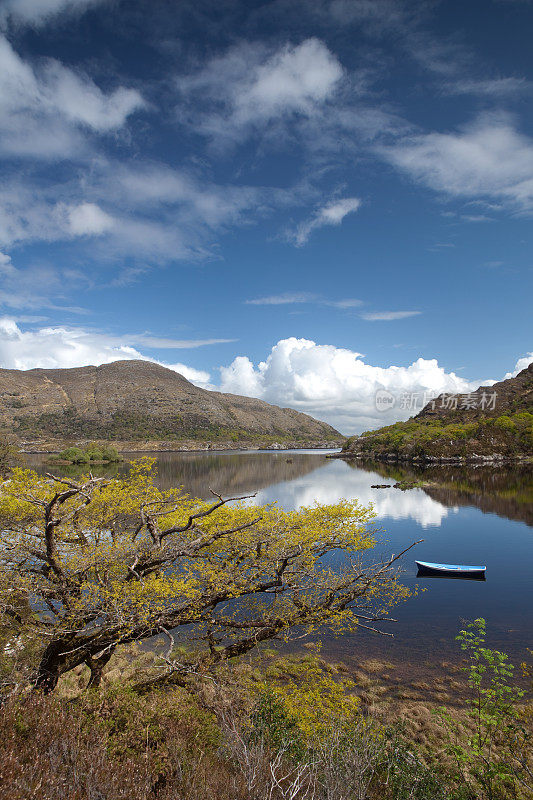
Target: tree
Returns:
[[8, 456], [107, 562], [492, 756]]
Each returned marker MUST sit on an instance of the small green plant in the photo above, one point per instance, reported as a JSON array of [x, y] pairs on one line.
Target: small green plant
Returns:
[[483, 745]]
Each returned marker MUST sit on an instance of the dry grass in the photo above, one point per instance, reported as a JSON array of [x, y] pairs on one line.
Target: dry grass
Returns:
[[373, 665]]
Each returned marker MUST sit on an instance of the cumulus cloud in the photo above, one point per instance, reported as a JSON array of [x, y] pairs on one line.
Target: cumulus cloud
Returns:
[[330, 383], [339, 480], [251, 85], [335, 384], [44, 106], [521, 364], [332, 213], [61, 346], [488, 160], [388, 316]]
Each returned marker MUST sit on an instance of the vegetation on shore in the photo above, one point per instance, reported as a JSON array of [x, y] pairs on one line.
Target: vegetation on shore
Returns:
[[9, 456], [490, 423], [508, 434], [91, 453], [266, 727], [90, 568]]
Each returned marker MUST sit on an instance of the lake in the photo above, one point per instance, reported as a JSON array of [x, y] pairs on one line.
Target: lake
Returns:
[[475, 515]]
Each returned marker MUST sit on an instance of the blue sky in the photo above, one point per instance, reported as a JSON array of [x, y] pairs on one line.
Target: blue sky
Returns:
[[301, 201]]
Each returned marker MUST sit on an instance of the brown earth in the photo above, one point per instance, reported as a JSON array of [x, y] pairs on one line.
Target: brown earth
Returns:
[[142, 405]]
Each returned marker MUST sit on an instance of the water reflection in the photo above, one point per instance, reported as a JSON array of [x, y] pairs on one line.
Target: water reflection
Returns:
[[466, 515], [506, 490], [297, 478], [423, 574], [334, 480]]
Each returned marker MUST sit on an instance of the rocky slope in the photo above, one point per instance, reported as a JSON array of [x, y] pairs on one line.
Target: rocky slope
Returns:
[[493, 424], [143, 406]]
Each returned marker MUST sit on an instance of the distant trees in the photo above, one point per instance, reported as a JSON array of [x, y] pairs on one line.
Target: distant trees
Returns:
[[90, 453], [106, 562]]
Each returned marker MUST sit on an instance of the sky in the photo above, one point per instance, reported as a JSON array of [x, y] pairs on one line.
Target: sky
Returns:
[[306, 201]]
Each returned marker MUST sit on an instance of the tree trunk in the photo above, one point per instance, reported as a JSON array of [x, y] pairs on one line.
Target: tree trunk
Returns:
[[52, 666], [96, 664], [62, 655]]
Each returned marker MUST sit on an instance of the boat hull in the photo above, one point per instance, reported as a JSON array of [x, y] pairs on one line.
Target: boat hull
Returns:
[[451, 570]]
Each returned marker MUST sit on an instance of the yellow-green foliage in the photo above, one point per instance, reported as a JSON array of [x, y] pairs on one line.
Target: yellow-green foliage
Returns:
[[313, 696], [417, 434], [107, 562]]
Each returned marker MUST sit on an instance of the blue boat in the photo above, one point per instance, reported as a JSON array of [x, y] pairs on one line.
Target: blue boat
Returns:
[[450, 570]]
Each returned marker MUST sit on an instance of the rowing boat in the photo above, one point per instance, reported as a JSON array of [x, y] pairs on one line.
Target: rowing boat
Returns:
[[467, 570]]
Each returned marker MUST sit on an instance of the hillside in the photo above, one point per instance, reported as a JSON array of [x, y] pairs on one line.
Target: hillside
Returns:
[[492, 423], [139, 404]]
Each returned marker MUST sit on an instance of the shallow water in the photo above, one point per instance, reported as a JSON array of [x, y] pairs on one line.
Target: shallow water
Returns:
[[482, 515]]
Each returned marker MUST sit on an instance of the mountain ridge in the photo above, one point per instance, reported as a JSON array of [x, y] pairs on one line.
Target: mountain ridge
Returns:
[[141, 401], [493, 423]]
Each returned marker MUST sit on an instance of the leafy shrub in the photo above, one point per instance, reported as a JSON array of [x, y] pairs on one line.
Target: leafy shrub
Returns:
[[91, 452], [505, 423], [487, 750], [75, 454], [310, 698]]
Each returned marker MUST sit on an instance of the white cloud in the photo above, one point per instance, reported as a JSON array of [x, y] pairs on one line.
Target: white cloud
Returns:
[[251, 85], [152, 211], [199, 377], [489, 159], [174, 344], [88, 219], [332, 213], [61, 346], [290, 298], [521, 364], [287, 298], [490, 87], [335, 384], [57, 347], [35, 12], [338, 480], [43, 108], [39, 286], [387, 316], [330, 383], [292, 80], [6, 265]]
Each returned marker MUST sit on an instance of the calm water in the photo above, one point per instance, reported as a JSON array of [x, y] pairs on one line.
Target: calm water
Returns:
[[482, 515]]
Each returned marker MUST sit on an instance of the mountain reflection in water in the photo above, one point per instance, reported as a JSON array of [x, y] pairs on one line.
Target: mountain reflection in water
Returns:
[[467, 514]]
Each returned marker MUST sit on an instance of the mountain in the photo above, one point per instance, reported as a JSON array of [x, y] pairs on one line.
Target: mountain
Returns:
[[129, 402], [490, 424]]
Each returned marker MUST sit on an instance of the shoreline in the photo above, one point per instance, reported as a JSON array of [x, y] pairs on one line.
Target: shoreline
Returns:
[[151, 446], [395, 458]]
